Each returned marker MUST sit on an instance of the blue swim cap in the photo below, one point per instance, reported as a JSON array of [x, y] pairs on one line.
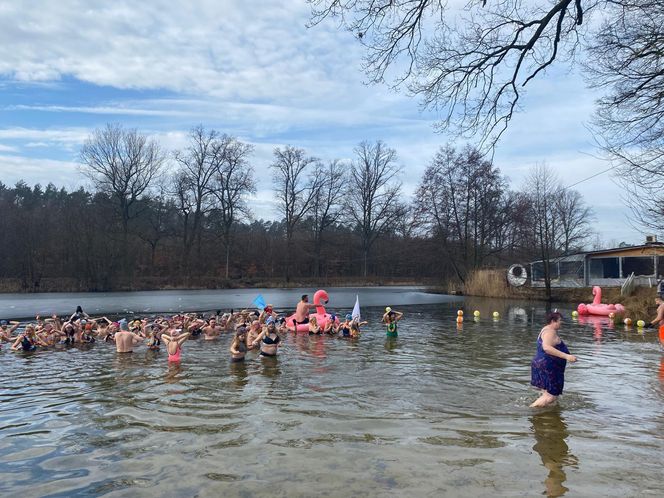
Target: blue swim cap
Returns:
[[349, 316]]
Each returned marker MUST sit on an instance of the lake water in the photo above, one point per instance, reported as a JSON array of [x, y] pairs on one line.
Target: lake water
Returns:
[[27, 305], [439, 411]]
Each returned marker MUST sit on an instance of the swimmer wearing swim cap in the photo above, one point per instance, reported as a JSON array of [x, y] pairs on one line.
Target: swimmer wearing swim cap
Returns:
[[390, 318]]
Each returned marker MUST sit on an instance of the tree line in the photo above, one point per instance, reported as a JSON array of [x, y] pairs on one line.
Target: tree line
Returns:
[[185, 218]]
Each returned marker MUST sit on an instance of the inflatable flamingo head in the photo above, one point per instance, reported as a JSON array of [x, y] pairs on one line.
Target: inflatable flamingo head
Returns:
[[319, 296], [597, 295]]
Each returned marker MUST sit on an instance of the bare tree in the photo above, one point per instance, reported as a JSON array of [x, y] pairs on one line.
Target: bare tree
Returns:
[[181, 188], [192, 185], [373, 194], [326, 204], [626, 62], [559, 217], [123, 164], [472, 65], [156, 221], [233, 182], [295, 191], [463, 201], [574, 218], [544, 187]]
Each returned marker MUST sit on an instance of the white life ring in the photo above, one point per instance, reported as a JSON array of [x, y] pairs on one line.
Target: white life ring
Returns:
[[517, 275]]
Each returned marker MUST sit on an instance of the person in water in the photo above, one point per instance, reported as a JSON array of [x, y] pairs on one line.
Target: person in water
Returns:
[[267, 312], [28, 340], [314, 329], [125, 340], [344, 327], [390, 318], [302, 311], [87, 335], [658, 321], [211, 331], [355, 329], [238, 347], [7, 329], [252, 334], [49, 334], [548, 366], [153, 334], [174, 343], [268, 339]]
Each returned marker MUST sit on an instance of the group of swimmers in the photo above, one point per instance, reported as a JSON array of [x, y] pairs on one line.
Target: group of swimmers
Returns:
[[252, 331]]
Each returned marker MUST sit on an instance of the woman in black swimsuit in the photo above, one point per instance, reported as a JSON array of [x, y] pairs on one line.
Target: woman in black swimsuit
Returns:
[[269, 339], [28, 340]]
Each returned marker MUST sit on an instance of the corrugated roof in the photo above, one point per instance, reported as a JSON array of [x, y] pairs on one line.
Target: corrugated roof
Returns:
[[580, 255], [658, 245]]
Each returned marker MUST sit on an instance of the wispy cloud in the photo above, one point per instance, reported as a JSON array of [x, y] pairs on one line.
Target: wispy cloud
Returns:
[[104, 110], [33, 171]]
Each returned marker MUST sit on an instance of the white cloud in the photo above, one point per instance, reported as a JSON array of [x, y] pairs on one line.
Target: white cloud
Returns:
[[107, 110], [222, 49], [43, 171], [65, 137]]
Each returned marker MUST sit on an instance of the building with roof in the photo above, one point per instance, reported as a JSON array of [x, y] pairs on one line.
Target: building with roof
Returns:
[[635, 265]]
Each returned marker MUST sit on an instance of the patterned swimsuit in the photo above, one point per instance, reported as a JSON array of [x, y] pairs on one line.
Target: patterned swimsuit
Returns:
[[548, 372]]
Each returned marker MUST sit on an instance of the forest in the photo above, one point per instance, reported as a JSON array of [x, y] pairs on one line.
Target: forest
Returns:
[[183, 219]]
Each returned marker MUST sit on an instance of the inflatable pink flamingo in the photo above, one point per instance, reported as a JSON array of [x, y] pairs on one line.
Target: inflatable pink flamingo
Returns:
[[597, 308], [322, 317]]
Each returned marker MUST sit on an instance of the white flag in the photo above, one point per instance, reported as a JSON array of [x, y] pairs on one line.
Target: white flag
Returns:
[[356, 308]]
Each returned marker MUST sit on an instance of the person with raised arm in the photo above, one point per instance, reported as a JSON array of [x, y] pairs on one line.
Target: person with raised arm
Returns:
[[28, 340], [390, 319], [125, 340], [7, 328], [302, 311], [268, 339], [174, 342]]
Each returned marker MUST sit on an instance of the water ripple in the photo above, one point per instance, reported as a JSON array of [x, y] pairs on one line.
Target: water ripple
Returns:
[[438, 411]]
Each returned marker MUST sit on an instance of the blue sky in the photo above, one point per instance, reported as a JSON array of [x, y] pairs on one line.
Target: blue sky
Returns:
[[257, 72]]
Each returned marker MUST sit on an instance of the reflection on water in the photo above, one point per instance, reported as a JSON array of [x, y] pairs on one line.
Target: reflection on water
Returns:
[[438, 411], [551, 436]]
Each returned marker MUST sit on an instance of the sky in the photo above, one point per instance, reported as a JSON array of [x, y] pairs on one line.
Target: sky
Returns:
[[253, 70]]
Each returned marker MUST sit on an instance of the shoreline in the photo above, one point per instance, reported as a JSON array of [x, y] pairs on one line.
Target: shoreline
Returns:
[[63, 285], [492, 283]]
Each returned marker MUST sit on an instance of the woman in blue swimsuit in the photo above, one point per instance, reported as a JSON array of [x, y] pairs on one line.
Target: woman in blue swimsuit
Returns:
[[548, 365]]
